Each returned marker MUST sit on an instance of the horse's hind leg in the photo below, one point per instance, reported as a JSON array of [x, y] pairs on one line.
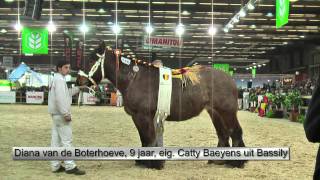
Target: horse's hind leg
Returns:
[[147, 133], [221, 130], [232, 123]]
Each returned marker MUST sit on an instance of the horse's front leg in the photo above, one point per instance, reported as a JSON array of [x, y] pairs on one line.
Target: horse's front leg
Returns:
[[149, 136]]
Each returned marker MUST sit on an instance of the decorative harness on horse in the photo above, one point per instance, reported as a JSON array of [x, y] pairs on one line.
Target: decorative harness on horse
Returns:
[[94, 68]]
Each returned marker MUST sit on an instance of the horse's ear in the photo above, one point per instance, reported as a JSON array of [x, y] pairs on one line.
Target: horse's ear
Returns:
[[101, 48], [102, 44]]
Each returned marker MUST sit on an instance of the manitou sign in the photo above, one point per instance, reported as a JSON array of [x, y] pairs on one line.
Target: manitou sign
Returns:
[[162, 42]]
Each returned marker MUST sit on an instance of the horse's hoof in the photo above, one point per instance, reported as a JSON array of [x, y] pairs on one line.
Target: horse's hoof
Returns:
[[150, 164], [140, 163], [156, 164], [236, 164], [217, 162]]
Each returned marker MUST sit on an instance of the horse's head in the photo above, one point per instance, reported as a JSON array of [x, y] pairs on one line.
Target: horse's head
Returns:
[[96, 74]]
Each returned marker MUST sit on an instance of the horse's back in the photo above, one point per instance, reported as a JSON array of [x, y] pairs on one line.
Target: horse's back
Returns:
[[221, 89]]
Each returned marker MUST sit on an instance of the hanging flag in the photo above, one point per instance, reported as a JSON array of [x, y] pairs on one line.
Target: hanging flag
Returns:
[[282, 12], [254, 72], [35, 41], [222, 67], [68, 49], [231, 73], [79, 56]]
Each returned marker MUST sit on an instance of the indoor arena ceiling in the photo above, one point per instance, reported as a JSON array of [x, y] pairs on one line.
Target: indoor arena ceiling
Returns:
[[252, 39]]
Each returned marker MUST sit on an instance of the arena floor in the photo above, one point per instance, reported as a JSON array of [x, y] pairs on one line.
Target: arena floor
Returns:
[[29, 125]]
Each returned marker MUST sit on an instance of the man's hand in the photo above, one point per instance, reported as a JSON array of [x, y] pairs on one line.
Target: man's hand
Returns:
[[67, 118]]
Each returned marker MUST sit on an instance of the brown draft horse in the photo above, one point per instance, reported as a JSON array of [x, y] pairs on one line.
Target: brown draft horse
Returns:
[[216, 92]]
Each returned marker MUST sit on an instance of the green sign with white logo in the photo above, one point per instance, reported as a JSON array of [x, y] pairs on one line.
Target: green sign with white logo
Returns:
[[282, 12], [35, 41]]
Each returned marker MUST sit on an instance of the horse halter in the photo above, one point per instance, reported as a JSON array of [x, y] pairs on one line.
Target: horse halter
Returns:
[[94, 68]]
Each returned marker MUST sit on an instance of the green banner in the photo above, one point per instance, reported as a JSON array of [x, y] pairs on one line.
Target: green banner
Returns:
[[222, 67], [231, 73], [7, 83], [35, 41], [282, 12], [254, 72]]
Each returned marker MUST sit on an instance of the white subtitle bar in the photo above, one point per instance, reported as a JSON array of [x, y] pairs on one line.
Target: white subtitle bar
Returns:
[[150, 153]]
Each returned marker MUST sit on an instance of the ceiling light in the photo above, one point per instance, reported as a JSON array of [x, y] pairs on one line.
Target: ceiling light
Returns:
[[84, 28], [253, 26], [101, 10], [51, 27], [254, 63], [302, 36], [259, 65], [110, 23], [250, 67], [236, 19], [269, 14], [250, 6], [180, 30], [225, 30], [56, 52], [149, 29], [212, 31], [116, 29], [65, 31], [185, 13], [3, 31], [230, 25], [246, 69], [241, 35], [8, 0], [242, 13], [263, 64], [18, 27]]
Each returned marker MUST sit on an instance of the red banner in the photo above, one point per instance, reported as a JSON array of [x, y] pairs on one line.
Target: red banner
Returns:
[[79, 55], [67, 48]]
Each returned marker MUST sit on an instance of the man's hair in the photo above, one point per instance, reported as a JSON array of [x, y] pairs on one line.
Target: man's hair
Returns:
[[61, 63]]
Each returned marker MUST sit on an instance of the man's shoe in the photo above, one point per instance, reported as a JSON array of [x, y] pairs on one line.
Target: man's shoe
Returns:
[[75, 171], [61, 169]]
